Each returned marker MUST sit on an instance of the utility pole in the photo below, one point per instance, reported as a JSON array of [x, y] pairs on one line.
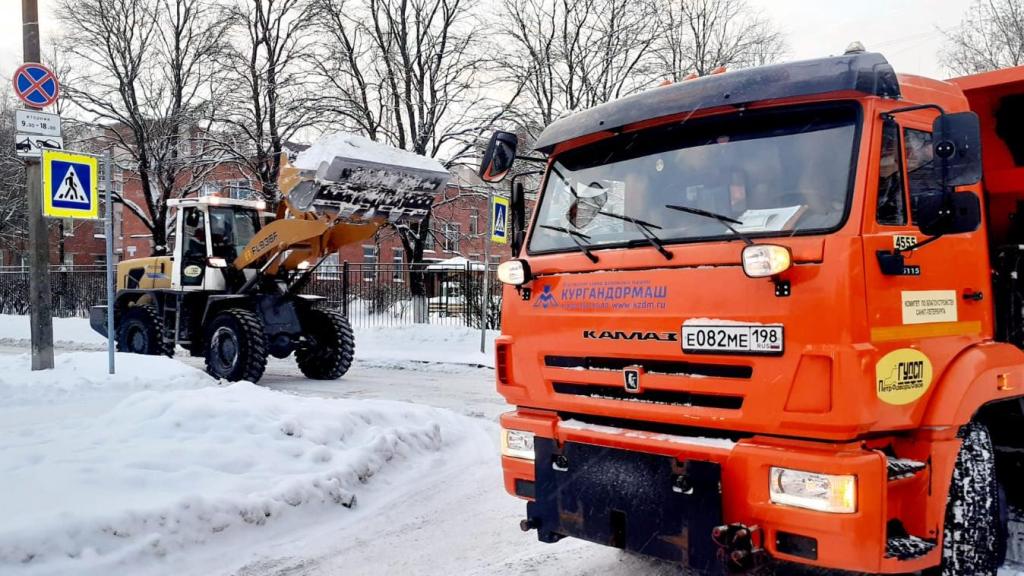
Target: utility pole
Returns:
[[40, 306]]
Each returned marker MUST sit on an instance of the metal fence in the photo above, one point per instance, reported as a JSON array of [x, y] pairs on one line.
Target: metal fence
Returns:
[[369, 294], [74, 289]]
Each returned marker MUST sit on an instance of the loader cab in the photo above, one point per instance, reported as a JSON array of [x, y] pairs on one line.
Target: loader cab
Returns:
[[209, 234]]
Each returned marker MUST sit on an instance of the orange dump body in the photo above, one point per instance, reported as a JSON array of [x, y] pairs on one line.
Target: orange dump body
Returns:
[[821, 405]]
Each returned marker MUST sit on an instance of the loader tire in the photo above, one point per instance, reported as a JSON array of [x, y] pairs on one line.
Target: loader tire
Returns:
[[974, 534], [236, 347], [331, 347], [140, 331]]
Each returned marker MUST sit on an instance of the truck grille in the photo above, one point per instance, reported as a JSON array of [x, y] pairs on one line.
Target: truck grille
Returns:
[[671, 367], [668, 397]]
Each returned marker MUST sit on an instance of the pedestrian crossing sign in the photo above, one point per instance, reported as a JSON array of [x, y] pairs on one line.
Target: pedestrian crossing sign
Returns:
[[499, 220], [70, 185]]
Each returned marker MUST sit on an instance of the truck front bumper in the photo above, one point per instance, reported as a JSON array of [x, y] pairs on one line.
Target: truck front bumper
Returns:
[[620, 475]]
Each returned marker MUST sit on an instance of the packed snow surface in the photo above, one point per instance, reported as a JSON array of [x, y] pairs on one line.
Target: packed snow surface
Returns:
[[355, 147]]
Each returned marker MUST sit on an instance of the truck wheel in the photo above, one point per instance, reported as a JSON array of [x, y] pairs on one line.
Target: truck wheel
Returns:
[[331, 347], [140, 331], [236, 347], [974, 531]]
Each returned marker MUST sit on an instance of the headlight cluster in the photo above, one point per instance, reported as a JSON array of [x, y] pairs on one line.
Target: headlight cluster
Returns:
[[517, 444], [821, 492], [764, 260]]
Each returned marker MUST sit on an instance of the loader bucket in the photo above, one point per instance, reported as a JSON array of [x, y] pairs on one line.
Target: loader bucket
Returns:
[[355, 178]]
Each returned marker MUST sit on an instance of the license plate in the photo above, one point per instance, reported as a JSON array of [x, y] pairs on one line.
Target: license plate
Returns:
[[733, 339]]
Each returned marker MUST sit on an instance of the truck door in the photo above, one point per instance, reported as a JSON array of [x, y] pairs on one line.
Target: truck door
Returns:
[[935, 303]]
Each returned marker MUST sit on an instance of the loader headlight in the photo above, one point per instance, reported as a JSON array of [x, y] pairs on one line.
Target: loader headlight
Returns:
[[821, 492], [514, 272], [215, 262], [517, 444], [764, 260]]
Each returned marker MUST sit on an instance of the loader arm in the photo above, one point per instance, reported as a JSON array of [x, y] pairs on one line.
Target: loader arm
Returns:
[[304, 239]]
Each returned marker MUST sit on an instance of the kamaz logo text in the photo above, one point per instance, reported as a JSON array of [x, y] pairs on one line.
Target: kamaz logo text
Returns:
[[622, 335]]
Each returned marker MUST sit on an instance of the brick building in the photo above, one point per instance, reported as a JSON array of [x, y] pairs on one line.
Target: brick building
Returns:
[[459, 223]]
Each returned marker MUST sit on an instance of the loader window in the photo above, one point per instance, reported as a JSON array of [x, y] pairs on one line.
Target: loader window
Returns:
[[891, 201], [231, 229], [923, 175]]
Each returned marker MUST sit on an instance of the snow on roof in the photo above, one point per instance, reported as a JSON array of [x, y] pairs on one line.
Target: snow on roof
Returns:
[[356, 147], [455, 263]]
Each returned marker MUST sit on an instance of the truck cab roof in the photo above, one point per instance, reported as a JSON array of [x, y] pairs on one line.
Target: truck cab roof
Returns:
[[216, 201]]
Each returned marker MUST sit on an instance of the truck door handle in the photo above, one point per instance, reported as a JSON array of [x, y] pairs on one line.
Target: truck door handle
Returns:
[[972, 295]]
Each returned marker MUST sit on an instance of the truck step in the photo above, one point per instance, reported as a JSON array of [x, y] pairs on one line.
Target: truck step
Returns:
[[907, 547], [900, 468]]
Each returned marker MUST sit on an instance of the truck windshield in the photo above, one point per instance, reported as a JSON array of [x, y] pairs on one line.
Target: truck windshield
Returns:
[[778, 172]]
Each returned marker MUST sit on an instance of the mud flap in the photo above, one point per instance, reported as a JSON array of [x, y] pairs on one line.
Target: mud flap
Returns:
[[645, 503]]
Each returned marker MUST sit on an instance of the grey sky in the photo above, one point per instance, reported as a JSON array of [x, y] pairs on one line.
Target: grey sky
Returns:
[[905, 31]]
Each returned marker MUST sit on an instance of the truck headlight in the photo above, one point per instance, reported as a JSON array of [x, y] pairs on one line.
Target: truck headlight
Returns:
[[764, 260], [821, 492], [517, 444], [514, 272]]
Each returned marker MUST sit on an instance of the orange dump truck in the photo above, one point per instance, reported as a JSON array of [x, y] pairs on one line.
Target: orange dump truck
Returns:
[[773, 316]]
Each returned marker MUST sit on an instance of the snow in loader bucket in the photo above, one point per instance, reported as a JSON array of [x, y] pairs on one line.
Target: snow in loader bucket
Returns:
[[359, 178]]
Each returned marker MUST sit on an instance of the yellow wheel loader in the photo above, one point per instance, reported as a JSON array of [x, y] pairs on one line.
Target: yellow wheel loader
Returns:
[[231, 290]]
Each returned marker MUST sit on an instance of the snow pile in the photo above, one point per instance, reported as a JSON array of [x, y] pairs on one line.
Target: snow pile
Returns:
[[355, 147], [68, 333], [103, 473], [396, 346], [84, 374]]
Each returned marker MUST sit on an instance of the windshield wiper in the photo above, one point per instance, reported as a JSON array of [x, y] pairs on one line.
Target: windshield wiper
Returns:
[[725, 220], [572, 234], [645, 230]]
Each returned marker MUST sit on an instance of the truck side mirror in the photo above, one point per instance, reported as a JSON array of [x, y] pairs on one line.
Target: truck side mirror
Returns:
[[518, 213], [940, 212], [499, 156], [956, 139]]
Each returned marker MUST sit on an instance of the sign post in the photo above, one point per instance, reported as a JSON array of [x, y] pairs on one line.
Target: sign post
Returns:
[[109, 233], [36, 90], [497, 226]]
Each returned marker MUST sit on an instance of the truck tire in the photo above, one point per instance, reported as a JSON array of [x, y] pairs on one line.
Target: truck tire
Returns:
[[140, 331], [235, 346], [331, 347], [974, 532]]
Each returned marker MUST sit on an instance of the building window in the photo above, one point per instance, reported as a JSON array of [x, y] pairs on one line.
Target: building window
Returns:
[[451, 237], [495, 260], [474, 222], [428, 241], [239, 189], [369, 263], [69, 259], [397, 259], [99, 260]]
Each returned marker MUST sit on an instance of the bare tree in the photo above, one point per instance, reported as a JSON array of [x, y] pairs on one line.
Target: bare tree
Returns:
[[142, 71], [413, 74], [990, 36], [570, 55], [269, 94], [13, 205], [702, 35]]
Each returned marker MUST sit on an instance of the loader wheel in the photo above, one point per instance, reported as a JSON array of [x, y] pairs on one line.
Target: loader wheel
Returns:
[[332, 345], [975, 529], [140, 331], [236, 348]]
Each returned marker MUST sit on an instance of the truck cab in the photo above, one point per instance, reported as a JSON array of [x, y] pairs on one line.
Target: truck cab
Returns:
[[209, 233], [752, 320]]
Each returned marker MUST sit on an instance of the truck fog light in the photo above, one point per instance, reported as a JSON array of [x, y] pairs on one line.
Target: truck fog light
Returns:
[[763, 260], [514, 272], [821, 492], [517, 444]]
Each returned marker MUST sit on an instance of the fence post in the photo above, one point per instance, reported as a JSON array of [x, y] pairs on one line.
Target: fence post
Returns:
[[344, 288]]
